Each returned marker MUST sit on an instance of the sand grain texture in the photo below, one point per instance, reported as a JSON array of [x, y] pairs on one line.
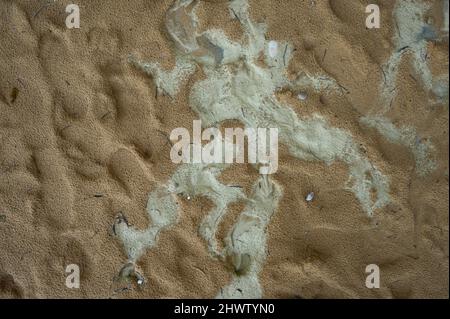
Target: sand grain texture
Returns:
[[83, 136]]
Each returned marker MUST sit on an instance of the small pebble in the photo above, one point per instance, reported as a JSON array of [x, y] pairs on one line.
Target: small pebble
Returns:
[[310, 197], [302, 96]]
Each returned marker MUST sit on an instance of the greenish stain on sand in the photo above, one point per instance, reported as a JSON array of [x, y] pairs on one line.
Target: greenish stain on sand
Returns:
[[411, 37], [238, 87]]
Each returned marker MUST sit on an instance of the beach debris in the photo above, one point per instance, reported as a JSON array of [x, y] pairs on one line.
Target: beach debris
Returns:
[[310, 197], [181, 25], [302, 96], [273, 48], [2, 218], [127, 277], [14, 94], [241, 263], [127, 270], [120, 218], [140, 280], [45, 5]]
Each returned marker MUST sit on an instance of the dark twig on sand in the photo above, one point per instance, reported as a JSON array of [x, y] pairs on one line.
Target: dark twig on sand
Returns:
[[43, 7], [384, 73], [324, 54], [166, 136], [235, 14], [105, 115], [284, 55]]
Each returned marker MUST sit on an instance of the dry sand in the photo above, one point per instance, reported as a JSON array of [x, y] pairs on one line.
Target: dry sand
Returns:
[[83, 137]]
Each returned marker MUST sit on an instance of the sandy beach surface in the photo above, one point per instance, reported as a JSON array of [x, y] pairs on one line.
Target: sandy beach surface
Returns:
[[84, 137]]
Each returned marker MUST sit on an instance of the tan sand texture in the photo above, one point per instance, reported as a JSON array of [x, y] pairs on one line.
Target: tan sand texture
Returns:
[[84, 137]]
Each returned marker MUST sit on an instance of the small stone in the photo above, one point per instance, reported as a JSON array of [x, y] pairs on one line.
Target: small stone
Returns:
[[140, 280], [302, 96], [324, 100], [310, 197]]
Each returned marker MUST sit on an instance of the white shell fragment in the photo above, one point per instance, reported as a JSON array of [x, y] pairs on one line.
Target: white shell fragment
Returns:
[[302, 96], [310, 197], [273, 49]]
